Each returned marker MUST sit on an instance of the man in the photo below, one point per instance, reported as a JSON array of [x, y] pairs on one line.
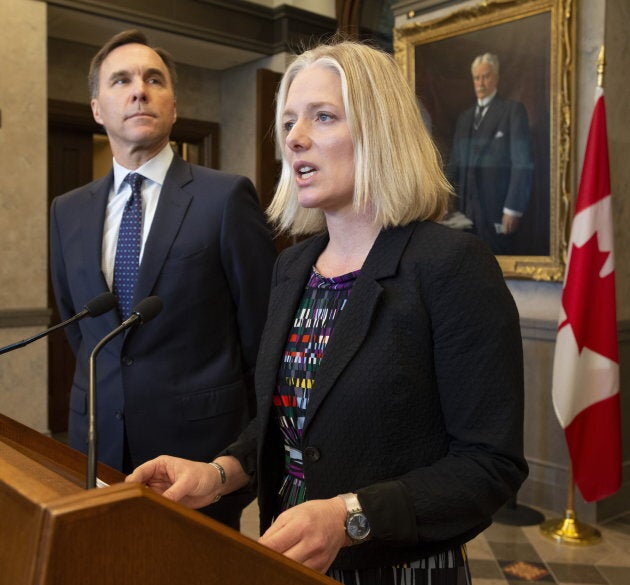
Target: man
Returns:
[[182, 383], [491, 164]]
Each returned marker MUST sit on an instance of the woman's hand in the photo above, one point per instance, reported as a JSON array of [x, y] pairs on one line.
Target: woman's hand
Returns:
[[311, 533], [191, 483]]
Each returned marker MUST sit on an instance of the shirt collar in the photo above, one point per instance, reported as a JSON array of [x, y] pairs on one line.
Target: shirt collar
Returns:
[[485, 101], [154, 169]]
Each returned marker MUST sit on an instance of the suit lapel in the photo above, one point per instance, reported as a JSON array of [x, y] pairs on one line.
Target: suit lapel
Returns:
[[488, 127], [91, 215], [169, 214], [352, 326], [468, 121]]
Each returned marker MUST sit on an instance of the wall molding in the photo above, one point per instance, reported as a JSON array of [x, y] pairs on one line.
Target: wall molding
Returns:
[[234, 23], [12, 318], [546, 329]]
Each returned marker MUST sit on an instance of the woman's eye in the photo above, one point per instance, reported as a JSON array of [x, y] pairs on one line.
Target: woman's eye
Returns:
[[288, 126], [324, 117]]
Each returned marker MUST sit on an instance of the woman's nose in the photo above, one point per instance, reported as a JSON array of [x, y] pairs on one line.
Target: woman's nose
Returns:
[[297, 138]]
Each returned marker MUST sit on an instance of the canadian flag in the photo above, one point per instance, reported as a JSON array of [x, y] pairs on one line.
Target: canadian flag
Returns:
[[586, 363]]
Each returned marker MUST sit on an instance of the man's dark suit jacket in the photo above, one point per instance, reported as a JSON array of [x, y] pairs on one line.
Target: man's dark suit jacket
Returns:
[[418, 402], [180, 384], [492, 167]]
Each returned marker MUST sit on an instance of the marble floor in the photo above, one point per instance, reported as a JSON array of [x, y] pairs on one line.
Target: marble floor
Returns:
[[505, 554], [516, 555]]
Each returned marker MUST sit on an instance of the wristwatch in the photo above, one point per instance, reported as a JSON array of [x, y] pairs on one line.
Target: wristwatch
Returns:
[[357, 524]]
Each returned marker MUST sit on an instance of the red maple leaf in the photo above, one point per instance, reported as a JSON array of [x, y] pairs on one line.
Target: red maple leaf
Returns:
[[589, 300]]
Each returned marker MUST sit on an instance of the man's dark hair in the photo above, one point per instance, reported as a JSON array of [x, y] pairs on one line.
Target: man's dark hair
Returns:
[[126, 37]]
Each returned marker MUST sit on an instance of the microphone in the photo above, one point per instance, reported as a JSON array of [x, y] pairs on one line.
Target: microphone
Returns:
[[97, 306], [143, 312]]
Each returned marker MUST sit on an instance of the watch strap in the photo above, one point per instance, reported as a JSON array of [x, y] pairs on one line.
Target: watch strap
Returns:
[[353, 506], [357, 525]]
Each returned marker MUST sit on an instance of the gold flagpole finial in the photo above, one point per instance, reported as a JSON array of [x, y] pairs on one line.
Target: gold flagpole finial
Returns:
[[601, 64]]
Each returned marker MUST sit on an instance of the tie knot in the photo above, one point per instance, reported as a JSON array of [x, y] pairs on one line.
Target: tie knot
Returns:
[[135, 180]]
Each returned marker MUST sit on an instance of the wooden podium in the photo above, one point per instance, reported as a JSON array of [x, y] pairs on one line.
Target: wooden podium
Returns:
[[55, 532]]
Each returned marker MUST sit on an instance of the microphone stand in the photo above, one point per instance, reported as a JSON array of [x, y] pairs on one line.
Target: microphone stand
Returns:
[[146, 310], [92, 432]]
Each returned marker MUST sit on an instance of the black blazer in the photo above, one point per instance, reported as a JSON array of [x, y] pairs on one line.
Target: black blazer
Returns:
[[180, 383], [418, 402]]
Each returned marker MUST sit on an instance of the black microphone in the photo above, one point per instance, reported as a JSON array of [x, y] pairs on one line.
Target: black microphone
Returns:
[[144, 311], [97, 306]]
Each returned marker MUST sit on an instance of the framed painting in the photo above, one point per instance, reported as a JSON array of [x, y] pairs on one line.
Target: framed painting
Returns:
[[495, 84]]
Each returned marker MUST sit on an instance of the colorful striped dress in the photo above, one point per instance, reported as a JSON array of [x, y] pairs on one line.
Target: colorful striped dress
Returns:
[[322, 302]]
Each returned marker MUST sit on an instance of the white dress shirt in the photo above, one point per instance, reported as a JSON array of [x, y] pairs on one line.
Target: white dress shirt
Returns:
[[154, 172]]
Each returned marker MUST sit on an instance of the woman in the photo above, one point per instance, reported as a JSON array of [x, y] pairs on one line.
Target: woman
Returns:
[[390, 369]]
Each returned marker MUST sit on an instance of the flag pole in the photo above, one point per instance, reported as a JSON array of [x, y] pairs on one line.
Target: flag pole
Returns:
[[569, 530], [601, 65]]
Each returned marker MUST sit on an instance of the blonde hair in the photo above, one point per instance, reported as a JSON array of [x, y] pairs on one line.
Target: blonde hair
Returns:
[[398, 170]]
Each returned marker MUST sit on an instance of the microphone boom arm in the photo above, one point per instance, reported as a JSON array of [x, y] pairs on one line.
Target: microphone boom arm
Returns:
[[93, 308], [28, 340]]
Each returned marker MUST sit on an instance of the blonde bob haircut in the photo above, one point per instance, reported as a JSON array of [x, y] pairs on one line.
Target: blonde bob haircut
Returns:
[[398, 170]]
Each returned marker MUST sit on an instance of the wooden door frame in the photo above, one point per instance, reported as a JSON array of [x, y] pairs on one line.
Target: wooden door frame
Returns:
[[77, 119], [77, 116]]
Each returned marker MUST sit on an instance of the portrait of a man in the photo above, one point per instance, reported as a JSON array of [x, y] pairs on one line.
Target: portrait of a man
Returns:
[[491, 161], [500, 171]]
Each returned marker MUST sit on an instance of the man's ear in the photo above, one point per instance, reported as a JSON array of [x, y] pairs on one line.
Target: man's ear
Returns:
[[96, 111]]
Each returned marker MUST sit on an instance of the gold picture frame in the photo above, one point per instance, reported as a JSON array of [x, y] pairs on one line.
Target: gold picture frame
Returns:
[[535, 42]]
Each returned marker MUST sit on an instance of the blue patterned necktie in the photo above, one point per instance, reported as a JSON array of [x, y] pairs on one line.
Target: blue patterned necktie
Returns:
[[128, 247]]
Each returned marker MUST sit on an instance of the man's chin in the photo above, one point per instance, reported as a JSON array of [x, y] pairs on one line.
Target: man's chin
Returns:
[[145, 142], [146, 135]]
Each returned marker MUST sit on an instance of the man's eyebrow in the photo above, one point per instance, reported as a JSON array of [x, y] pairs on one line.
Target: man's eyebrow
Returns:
[[155, 71], [119, 73], [148, 73]]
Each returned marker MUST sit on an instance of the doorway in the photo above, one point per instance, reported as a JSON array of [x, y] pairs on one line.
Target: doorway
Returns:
[[78, 153]]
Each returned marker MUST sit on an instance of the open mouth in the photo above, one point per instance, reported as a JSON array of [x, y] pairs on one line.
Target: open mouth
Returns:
[[305, 172]]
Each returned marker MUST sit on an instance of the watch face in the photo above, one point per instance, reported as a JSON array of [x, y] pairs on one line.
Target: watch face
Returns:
[[358, 527]]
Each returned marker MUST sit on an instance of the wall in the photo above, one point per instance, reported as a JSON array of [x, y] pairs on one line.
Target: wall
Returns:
[[539, 302], [618, 106], [238, 118], [198, 89], [597, 24], [229, 97], [23, 230], [618, 113], [323, 7]]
